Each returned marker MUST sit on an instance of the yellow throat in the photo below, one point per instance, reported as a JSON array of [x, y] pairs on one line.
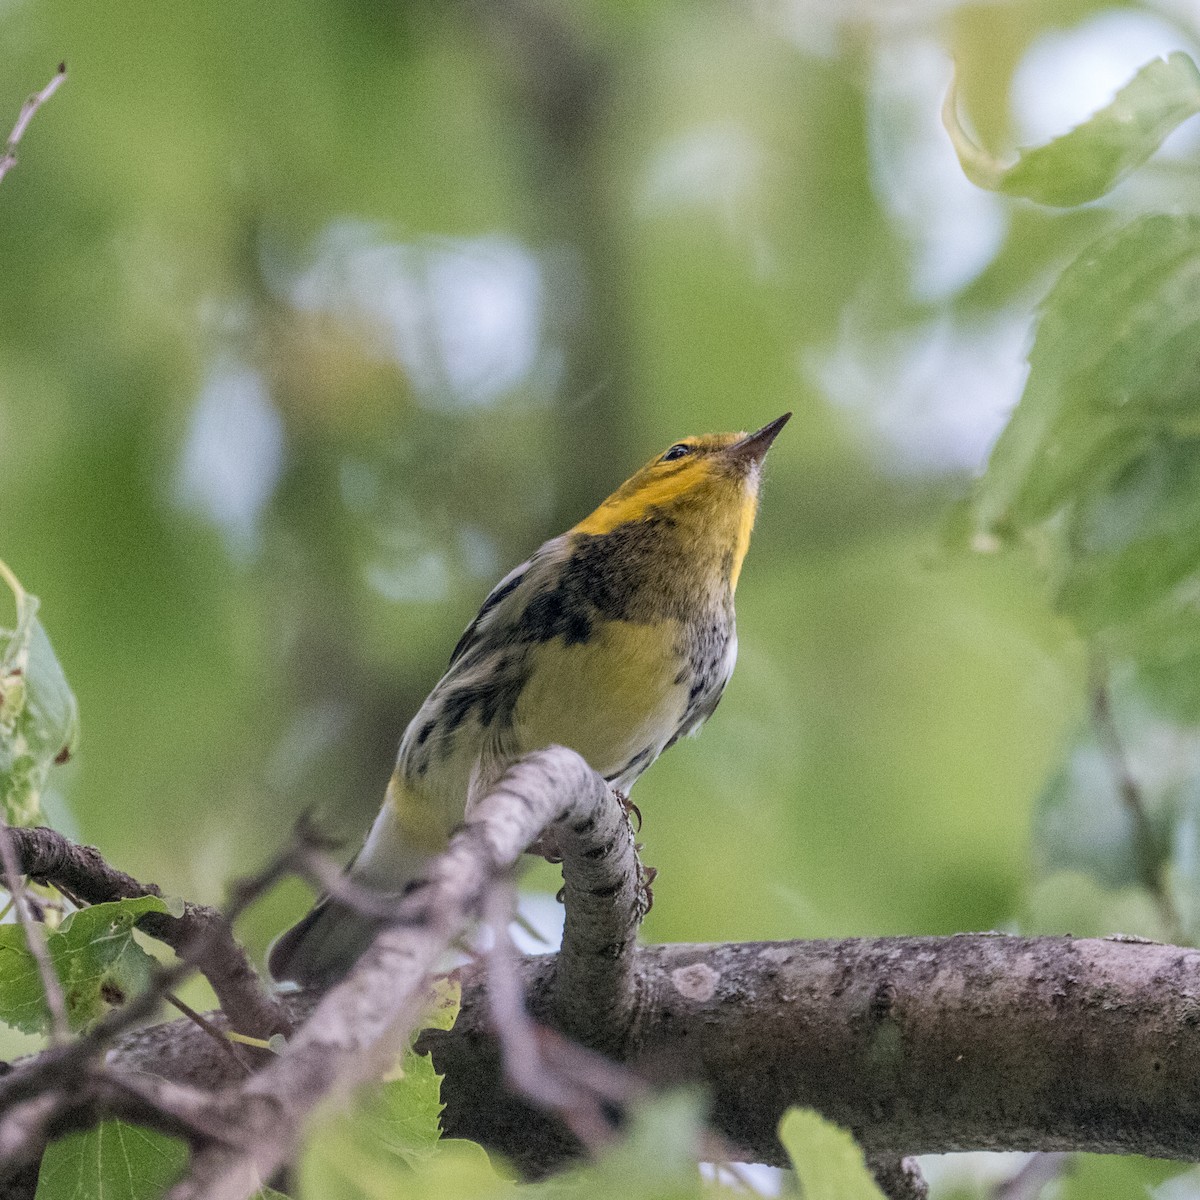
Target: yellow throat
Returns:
[[706, 486]]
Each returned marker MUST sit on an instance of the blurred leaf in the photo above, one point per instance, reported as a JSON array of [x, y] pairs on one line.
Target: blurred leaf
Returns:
[[827, 1160], [1100, 464], [95, 956], [1132, 541], [1090, 160], [1111, 368], [1163, 648], [341, 1163], [1103, 1176], [372, 1148], [114, 1161], [656, 1160], [39, 722], [1092, 865]]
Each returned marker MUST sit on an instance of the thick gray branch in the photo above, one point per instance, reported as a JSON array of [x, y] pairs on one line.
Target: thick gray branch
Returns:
[[920, 1045], [201, 933], [357, 1027]]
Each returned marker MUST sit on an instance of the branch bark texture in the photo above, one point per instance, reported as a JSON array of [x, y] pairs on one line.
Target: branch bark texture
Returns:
[[920, 1045], [201, 933], [358, 1027]]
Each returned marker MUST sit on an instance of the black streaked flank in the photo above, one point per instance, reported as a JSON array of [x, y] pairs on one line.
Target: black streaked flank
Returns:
[[638, 572], [498, 593], [495, 697]]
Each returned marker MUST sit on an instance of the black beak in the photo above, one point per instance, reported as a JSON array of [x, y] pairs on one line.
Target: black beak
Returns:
[[754, 446]]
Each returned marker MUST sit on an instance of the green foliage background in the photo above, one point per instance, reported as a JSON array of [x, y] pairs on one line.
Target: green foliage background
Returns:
[[269, 428]]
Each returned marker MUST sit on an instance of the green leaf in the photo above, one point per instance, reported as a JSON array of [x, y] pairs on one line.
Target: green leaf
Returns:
[[372, 1148], [114, 1161], [1132, 540], [95, 956], [1099, 467], [1093, 157], [341, 1163], [39, 721], [656, 1160], [1112, 368], [1164, 650], [1093, 862], [826, 1158]]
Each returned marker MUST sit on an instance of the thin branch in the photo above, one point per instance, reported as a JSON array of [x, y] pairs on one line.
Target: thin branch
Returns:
[[219, 1038], [1146, 844], [1029, 1182], [35, 939], [8, 159], [898, 1178], [358, 1025], [57, 1072], [201, 935], [94, 1095], [584, 1090]]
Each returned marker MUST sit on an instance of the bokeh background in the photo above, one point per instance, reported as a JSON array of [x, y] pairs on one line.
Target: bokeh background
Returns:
[[317, 317]]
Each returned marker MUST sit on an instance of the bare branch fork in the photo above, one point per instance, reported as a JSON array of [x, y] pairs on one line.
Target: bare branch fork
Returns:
[[917, 1044], [200, 934]]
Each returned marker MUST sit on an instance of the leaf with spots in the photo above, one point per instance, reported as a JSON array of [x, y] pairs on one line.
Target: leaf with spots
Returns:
[[39, 720], [95, 956]]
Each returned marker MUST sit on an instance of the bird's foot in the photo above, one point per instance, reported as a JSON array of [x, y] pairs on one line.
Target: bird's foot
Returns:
[[630, 809], [546, 847]]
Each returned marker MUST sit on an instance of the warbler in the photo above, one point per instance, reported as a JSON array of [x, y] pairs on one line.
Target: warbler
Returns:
[[615, 639]]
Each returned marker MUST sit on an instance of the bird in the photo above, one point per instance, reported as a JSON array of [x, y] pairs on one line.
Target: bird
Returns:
[[615, 639]]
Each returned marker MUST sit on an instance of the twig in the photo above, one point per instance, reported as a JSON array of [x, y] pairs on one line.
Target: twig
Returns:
[[202, 935], [898, 1178], [1028, 1182], [1146, 844], [587, 1091], [35, 940], [227, 1047], [56, 1072], [357, 1024], [8, 159], [94, 1094]]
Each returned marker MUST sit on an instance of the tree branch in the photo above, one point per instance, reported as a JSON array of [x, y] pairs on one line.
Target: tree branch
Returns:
[[358, 1026], [8, 159], [202, 934], [35, 937], [920, 1045]]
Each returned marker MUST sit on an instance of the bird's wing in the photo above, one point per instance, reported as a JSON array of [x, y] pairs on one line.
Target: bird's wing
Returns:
[[506, 600]]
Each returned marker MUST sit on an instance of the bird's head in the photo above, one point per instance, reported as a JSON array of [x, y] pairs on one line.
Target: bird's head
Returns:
[[707, 486]]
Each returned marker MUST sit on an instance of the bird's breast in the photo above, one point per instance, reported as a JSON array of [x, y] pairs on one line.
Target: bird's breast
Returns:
[[617, 697]]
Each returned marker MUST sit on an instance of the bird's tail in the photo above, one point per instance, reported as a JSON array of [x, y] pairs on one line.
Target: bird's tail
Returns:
[[322, 947]]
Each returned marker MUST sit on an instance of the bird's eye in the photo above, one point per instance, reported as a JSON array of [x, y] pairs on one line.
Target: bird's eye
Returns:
[[676, 451]]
